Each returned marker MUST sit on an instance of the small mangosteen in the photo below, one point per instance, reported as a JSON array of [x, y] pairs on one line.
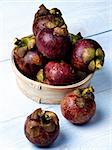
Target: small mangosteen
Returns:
[[54, 43], [27, 58], [45, 18], [87, 55], [79, 106], [42, 127], [59, 73]]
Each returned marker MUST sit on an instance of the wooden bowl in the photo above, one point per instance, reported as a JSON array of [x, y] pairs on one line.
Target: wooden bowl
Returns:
[[43, 93]]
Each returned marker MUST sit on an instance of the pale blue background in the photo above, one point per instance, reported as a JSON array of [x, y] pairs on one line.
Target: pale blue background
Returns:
[[93, 19]]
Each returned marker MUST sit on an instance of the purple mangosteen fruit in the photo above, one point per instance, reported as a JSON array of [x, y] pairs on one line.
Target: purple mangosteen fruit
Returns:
[[79, 106], [87, 55], [45, 18], [54, 43], [42, 127], [59, 73], [27, 58]]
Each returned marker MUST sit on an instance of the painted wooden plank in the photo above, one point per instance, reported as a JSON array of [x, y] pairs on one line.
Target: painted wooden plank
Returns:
[[16, 19], [96, 135]]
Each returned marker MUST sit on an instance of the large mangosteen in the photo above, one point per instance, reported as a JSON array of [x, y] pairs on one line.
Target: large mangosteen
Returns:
[[87, 55], [54, 43], [79, 106]]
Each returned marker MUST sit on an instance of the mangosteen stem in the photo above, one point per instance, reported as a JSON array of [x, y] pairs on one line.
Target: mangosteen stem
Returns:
[[42, 11], [18, 42]]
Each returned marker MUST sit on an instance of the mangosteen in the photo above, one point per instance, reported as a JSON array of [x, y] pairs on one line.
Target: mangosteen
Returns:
[[59, 73], [45, 18], [79, 106], [87, 55], [42, 127], [54, 43], [27, 58]]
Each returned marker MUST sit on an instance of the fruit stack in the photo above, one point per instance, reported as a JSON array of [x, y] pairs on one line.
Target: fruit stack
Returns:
[[54, 56]]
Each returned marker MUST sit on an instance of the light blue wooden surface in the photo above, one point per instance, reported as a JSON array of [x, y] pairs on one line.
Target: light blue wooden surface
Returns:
[[90, 17]]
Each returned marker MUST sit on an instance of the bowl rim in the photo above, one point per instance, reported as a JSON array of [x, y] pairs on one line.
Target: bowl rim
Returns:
[[75, 85]]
